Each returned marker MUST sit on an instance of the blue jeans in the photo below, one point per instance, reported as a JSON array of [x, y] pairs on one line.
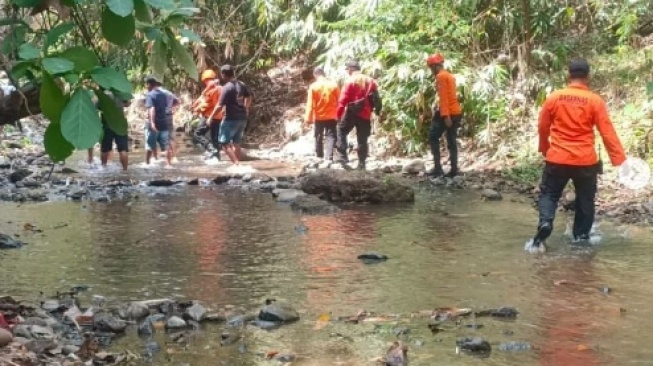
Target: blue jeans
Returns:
[[160, 137], [231, 131]]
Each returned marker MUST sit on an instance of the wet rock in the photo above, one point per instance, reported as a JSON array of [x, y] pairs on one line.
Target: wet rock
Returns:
[[285, 358], [195, 312], [35, 321], [161, 183], [69, 349], [175, 322], [505, 312], [350, 186], [373, 257], [51, 305], [4, 163], [33, 332], [19, 174], [145, 329], [66, 170], [8, 242], [312, 205], [5, 337], [108, 323], [39, 346], [215, 317], [240, 320], [265, 325], [152, 348], [491, 195], [515, 346], [397, 355], [227, 339], [77, 193], [134, 310], [278, 312], [475, 346], [287, 195], [413, 167]]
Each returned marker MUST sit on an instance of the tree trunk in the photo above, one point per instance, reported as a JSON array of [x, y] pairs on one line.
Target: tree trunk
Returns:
[[526, 9], [19, 104]]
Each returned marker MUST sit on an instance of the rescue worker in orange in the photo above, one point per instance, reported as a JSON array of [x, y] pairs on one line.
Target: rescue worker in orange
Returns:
[[321, 111], [566, 129], [446, 118], [359, 97], [204, 106]]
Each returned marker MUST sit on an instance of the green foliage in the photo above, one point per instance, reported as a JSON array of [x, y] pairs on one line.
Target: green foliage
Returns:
[[117, 29], [80, 122], [86, 56]]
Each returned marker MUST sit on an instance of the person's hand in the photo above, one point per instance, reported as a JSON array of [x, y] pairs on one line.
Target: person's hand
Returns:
[[153, 127], [448, 122]]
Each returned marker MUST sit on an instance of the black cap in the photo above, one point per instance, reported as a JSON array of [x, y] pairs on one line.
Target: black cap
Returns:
[[353, 64], [579, 68], [151, 79], [227, 70]]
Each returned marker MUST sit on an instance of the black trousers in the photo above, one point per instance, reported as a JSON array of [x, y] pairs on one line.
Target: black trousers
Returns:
[[438, 128], [325, 129], [554, 180], [363, 131], [199, 137]]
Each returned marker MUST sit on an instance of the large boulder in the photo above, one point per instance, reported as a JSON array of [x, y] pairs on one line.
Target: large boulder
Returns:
[[5, 337], [355, 186]]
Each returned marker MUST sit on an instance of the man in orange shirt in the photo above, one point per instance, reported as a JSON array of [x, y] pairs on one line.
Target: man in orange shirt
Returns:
[[204, 106], [566, 129], [446, 118], [321, 107]]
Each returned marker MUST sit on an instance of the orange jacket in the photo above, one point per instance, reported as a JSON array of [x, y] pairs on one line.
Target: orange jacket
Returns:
[[447, 93], [322, 101], [205, 104], [566, 128]]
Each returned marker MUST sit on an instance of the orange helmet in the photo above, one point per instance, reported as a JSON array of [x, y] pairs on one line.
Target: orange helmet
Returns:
[[434, 59], [208, 74]]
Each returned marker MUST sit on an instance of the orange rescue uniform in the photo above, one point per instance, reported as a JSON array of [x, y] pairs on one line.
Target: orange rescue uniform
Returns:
[[205, 104], [566, 128], [322, 101], [446, 84]]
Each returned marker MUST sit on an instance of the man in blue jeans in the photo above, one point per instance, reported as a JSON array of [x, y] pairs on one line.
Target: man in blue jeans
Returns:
[[158, 129], [235, 101]]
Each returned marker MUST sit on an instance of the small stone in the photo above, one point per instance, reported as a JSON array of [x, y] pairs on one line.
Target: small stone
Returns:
[[134, 310], [19, 174], [5, 337], [278, 312], [196, 312], [175, 322], [8, 242], [491, 195], [108, 323], [477, 346], [515, 346], [413, 167], [372, 257], [287, 195], [69, 349]]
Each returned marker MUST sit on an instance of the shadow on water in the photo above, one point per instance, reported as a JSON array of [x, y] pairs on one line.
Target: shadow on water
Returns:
[[227, 247]]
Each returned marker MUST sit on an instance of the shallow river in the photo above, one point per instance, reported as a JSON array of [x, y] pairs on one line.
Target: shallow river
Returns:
[[225, 247]]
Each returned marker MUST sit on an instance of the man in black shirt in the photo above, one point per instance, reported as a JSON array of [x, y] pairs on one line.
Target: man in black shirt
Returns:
[[235, 102]]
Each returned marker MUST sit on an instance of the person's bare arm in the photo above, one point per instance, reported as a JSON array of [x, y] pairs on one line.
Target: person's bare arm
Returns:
[[152, 116]]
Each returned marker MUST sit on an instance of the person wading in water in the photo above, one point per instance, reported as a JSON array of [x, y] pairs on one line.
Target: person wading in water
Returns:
[[566, 129], [209, 121]]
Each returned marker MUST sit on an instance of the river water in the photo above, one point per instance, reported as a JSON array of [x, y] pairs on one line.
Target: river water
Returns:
[[225, 247]]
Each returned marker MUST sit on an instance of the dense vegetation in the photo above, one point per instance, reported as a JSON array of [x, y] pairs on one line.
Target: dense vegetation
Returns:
[[507, 54]]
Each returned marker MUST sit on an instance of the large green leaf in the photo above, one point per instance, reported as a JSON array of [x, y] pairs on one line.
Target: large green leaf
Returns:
[[83, 58], [26, 3], [12, 21], [14, 39], [27, 51], [52, 99], [182, 56], [113, 116], [21, 69], [159, 59], [55, 33], [121, 7], [110, 78], [142, 11], [161, 4], [57, 65], [116, 29], [80, 122], [56, 146]]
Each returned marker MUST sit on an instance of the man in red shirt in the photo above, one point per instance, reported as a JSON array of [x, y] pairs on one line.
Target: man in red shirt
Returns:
[[566, 129], [360, 95], [446, 118]]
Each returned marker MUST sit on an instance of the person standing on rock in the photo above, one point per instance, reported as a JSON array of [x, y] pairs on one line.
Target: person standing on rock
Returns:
[[209, 123], [359, 98], [446, 118], [156, 103], [321, 111], [235, 102], [566, 129]]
